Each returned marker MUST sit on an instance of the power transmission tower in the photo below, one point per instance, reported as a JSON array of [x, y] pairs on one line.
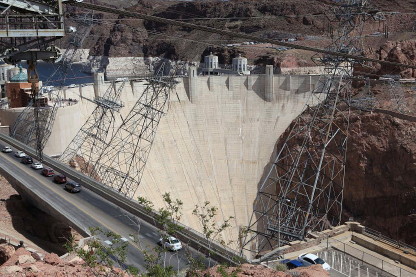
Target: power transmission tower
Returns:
[[302, 191], [34, 124], [117, 155], [92, 138], [31, 25]]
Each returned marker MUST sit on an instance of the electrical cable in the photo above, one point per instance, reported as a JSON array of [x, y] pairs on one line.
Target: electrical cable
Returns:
[[346, 56]]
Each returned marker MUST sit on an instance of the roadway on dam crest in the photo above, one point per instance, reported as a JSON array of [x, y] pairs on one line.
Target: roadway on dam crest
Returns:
[[90, 210]]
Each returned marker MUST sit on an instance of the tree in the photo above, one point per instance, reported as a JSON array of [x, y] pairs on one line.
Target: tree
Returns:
[[98, 255], [210, 227]]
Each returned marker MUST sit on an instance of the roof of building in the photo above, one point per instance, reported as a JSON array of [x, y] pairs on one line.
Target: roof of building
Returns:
[[20, 77], [211, 55], [239, 57]]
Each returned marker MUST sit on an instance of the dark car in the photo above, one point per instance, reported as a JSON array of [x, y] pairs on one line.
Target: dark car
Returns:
[[73, 187], [48, 172], [27, 160], [60, 179], [291, 264]]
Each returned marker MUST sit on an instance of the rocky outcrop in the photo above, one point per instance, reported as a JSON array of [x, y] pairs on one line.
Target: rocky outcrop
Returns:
[[6, 252], [21, 263], [261, 271], [394, 51], [115, 36], [380, 184]]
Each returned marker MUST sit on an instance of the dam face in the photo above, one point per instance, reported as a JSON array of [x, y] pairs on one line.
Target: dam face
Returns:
[[213, 143], [215, 146]]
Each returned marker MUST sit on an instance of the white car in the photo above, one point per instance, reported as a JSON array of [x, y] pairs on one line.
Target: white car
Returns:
[[6, 149], [37, 165], [171, 243], [311, 259], [72, 86], [20, 154]]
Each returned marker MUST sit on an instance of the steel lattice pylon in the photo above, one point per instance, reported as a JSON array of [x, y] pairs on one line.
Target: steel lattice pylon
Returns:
[[113, 149], [25, 127], [396, 94], [94, 135], [302, 191], [122, 164], [34, 125]]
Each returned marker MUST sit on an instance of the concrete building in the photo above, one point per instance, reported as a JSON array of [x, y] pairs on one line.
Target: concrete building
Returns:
[[239, 65], [211, 65], [18, 89]]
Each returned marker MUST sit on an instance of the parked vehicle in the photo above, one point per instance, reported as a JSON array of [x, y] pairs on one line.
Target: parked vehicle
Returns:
[[60, 179], [27, 160], [72, 186], [311, 259], [6, 149], [291, 264], [171, 243], [48, 172], [37, 165], [20, 154]]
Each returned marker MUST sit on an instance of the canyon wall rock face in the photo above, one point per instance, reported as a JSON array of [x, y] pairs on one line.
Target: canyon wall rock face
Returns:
[[118, 36], [393, 51], [380, 183]]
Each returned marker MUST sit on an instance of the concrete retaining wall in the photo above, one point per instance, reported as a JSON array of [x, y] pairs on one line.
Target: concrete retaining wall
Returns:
[[383, 249]]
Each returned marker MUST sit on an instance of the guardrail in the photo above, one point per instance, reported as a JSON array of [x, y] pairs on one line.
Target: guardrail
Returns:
[[193, 238], [355, 262], [395, 243]]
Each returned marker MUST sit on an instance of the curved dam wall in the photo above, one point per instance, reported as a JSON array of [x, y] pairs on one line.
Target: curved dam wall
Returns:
[[212, 144], [216, 146]]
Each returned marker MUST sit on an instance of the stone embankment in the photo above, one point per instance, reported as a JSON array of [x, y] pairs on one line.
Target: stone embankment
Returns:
[[21, 262], [260, 271]]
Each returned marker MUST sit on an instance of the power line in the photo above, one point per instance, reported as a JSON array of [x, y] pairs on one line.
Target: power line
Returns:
[[232, 34], [258, 17]]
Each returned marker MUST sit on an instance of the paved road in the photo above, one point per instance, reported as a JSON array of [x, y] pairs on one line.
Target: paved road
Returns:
[[90, 210]]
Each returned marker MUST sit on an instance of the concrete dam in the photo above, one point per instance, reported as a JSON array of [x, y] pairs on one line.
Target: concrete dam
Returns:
[[214, 142]]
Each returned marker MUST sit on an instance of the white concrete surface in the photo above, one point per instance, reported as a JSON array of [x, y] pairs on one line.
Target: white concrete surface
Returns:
[[213, 147]]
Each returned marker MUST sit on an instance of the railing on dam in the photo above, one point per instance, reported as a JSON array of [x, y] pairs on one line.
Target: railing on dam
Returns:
[[351, 261], [191, 237], [395, 243]]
